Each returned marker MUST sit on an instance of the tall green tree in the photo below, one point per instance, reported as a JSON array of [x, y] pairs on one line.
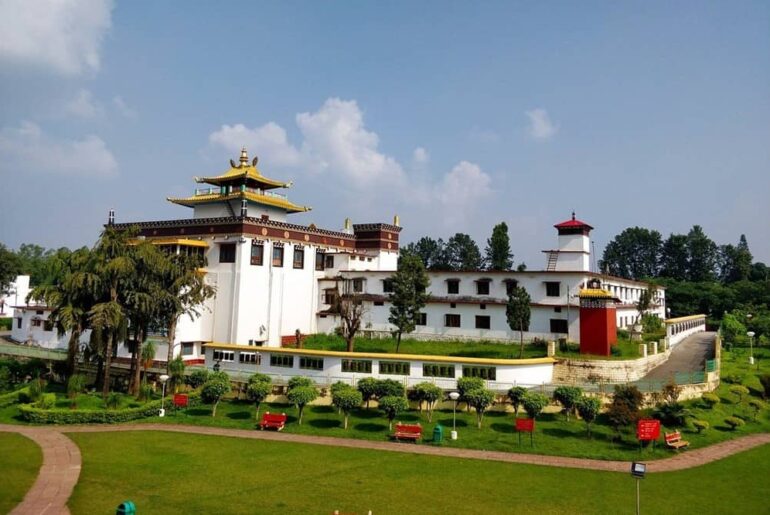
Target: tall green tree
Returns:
[[702, 255], [518, 312], [10, 267], [735, 261], [463, 253], [634, 253], [498, 251], [409, 296], [431, 252], [674, 257]]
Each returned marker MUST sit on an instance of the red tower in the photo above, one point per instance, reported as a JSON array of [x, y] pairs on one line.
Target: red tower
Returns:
[[598, 327]]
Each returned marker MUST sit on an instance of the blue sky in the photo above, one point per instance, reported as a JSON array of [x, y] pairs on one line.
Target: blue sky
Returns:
[[454, 115]]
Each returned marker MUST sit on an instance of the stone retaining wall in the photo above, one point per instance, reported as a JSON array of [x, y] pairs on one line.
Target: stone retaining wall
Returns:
[[575, 371]]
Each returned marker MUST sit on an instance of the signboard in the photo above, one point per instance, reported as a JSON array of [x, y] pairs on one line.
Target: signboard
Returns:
[[648, 429], [180, 400], [525, 424]]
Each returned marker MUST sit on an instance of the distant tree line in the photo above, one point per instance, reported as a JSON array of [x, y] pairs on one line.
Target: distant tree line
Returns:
[[461, 253]]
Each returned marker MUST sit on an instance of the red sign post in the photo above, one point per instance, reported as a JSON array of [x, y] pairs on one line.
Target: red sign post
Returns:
[[526, 425], [647, 429], [180, 400]]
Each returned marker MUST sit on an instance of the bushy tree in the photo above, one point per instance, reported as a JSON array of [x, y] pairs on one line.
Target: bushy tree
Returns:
[[588, 408], [670, 411], [176, 372], [217, 386], [257, 390], [568, 397], [197, 378], [480, 399], [498, 251], [10, 267], [466, 384], [463, 253], [625, 406], [391, 406], [517, 312], [534, 404], [739, 391], [633, 254], [76, 384], [428, 393], [346, 399], [389, 388], [516, 394], [368, 388], [731, 328], [410, 283], [301, 392]]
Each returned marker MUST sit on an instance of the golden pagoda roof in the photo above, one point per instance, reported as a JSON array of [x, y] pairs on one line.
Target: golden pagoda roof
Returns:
[[268, 200], [243, 171], [594, 293]]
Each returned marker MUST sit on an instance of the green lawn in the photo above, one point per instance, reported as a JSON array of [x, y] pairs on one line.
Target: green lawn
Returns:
[[173, 473], [21, 459]]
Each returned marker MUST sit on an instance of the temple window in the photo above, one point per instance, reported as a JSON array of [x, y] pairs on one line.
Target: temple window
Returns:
[[227, 253]]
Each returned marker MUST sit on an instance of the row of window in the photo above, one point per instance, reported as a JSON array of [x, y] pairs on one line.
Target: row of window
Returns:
[[257, 257]]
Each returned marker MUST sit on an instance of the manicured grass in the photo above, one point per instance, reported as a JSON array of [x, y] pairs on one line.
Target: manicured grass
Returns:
[[626, 349], [432, 348], [172, 473], [21, 459]]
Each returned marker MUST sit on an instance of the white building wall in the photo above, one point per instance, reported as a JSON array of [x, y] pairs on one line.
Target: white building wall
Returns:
[[17, 296]]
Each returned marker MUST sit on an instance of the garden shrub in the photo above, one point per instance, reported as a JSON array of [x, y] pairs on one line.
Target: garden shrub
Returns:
[[625, 406], [734, 422], [197, 378], [297, 381], [534, 404], [368, 388], [756, 406], [36, 387], [113, 400], [145, 391], [14, 397], [615, 351], [76, 385], [710, 399], [301, 396], [6, 383], [389, 388], [700, 425], [38, 415], [516, 394], [734, 378], [346, 398], [670, 412], [392, 405], [764, 380], [739, 391], [46, 401], [588, 408], [567, 396], [217, 386], [428, 393], [258, 388], [480, 399]]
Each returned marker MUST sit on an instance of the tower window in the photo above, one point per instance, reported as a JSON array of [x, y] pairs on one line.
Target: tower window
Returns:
[[227, 253], [453, 286], [553, 288], [277, 256], [299, 257], [257, 254]]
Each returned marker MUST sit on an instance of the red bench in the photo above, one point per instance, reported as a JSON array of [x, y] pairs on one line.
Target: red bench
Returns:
[[408, 432], [273, 421], [674, 440]]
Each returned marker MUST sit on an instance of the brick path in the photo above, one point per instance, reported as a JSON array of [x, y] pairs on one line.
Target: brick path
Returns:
[[61, 464]]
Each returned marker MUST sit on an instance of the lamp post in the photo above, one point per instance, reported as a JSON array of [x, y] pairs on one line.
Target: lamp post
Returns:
[[637, 471], [454, 396], [163, 378], [750, 334]]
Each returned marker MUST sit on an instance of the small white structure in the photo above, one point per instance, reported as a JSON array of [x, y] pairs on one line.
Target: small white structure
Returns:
[[16, 296]]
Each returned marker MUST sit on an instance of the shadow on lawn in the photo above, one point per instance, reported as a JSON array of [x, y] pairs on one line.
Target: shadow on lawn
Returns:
[[501, 427], [239, 415], [368, 427], [324, 423]]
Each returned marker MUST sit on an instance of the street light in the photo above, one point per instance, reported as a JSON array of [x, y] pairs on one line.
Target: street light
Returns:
[[638, 470], [750, 334], [163, 378], [454, 396]]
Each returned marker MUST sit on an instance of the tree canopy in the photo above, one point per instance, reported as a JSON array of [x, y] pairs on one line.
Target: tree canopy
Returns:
[[498, 251]]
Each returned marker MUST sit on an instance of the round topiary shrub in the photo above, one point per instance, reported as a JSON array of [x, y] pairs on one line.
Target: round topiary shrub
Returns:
[[710, 399], [739, 391], [756, 406], [700, 425], [734, 422]]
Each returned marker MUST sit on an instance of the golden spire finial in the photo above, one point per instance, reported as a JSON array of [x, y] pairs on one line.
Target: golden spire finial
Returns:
[[244, 157]]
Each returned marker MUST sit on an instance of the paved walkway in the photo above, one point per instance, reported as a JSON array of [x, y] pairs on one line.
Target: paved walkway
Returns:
[[62, 462], [689, 355]]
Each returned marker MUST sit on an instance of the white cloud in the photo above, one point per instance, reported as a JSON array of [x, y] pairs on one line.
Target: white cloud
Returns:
[[64, 36], [483, 135], [28, 149], [464, 186], [269, 142], [335, 138], [420, 158], [124, 108], [540, 125], [84, 106]]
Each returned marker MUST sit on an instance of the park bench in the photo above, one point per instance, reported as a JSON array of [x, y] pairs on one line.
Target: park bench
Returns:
[[674, 440], [408, 432], [273, 421]]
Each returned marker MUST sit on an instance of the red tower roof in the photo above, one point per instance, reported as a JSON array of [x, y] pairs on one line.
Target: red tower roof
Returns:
[[573, 224]]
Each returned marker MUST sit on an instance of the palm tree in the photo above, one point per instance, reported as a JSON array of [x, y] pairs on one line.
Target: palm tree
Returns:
[[148, 356]]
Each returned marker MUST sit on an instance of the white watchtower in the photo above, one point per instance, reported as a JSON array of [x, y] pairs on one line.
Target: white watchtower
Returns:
[[574, 250]]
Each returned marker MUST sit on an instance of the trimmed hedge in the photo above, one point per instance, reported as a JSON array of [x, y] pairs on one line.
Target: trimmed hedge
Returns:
[[9, 398], [36, 415]]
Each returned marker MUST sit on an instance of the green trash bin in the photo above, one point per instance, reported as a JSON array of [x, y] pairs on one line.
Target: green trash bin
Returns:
[[438, 433], [126, 508]]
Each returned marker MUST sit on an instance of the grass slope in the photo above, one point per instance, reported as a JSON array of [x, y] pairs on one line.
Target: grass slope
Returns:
[[21, 459], [172, 473]]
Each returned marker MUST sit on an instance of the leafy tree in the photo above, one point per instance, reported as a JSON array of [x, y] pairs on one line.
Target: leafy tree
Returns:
[[498, 251], [388, 388], [701, 255], [409, 296], [567, 396], [349, 305], [368, 388], [735, 261], [301, 394], [670, 412], [297, 381], [517, 313], [516, 394], [257, 390], [428, 393], [347, 399], [625, 406], [588, 408], [392, 405], [148, 356], [731, 328], [197, 378], [534, 404], [10, 267], [644, 303], [634, 254], [674, 257], [431, 252], [216, 387], [480, 399], [176, 371], [463, 253], [466, 384]]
